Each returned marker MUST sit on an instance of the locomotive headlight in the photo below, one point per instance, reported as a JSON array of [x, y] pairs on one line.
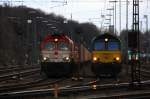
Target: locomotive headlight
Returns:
[[94, 58], [66, 58], [55, 39], [45, 58], [106, 39], [117, 58]]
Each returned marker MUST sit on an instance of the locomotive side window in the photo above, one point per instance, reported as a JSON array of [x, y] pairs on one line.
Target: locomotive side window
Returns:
[[114, 45], [49, 46], [99, 45], [63, 46]]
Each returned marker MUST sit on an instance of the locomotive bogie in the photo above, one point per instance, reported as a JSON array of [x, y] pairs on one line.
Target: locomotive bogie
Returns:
[[57, 69], [106, 69]]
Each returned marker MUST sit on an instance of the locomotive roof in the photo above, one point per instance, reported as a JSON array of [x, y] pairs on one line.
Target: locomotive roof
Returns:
[[106, 35], [59, 36]]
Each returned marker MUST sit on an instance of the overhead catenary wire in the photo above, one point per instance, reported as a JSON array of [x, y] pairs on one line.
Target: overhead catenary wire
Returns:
[[68, 10]]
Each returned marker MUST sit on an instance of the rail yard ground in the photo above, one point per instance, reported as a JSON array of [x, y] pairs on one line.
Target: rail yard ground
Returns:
[[65, 88]]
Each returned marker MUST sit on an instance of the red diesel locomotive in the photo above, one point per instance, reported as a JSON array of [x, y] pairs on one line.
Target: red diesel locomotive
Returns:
[[60, 55]]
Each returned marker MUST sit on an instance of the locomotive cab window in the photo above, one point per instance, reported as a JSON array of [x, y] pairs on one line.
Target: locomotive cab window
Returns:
[[99, 45], [63, 46], [113, 45], [49, 46]]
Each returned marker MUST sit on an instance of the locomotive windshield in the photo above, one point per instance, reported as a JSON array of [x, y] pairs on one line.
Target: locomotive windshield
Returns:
[[99, 45], [49, 46], [63, 46], [109, 45], [114, 45]]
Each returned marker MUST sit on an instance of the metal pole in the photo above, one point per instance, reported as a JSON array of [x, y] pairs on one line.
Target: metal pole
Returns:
[[136, 65], [115, 18], [120, 15], [127, 31], [28, 55], [115, 15], [147, 3], [141, 23], [139, 51], [102, 16], [110, 17], [127, 15], [146, 23], [71, 16], [35, 40]]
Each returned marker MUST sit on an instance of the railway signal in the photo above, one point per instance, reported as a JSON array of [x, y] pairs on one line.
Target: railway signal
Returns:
[[132, 39]]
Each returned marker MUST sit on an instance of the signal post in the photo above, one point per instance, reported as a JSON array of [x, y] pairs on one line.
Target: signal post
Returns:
[[134, 46]]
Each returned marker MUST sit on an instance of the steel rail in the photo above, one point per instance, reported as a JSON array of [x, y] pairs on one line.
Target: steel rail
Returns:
[[16, 68], [31, 84], [78, 89], [10, 75]]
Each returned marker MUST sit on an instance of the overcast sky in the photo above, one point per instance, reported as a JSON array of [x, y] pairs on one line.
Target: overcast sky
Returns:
[[89, 10]]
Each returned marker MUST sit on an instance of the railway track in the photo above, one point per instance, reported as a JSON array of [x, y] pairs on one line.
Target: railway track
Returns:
[[29, 84], [31, 80], [112, 91], [145, 73], [18, 74], [44, 84], [69, 87], [10, 69], [14, 72], [69, 83], [14, 76]]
